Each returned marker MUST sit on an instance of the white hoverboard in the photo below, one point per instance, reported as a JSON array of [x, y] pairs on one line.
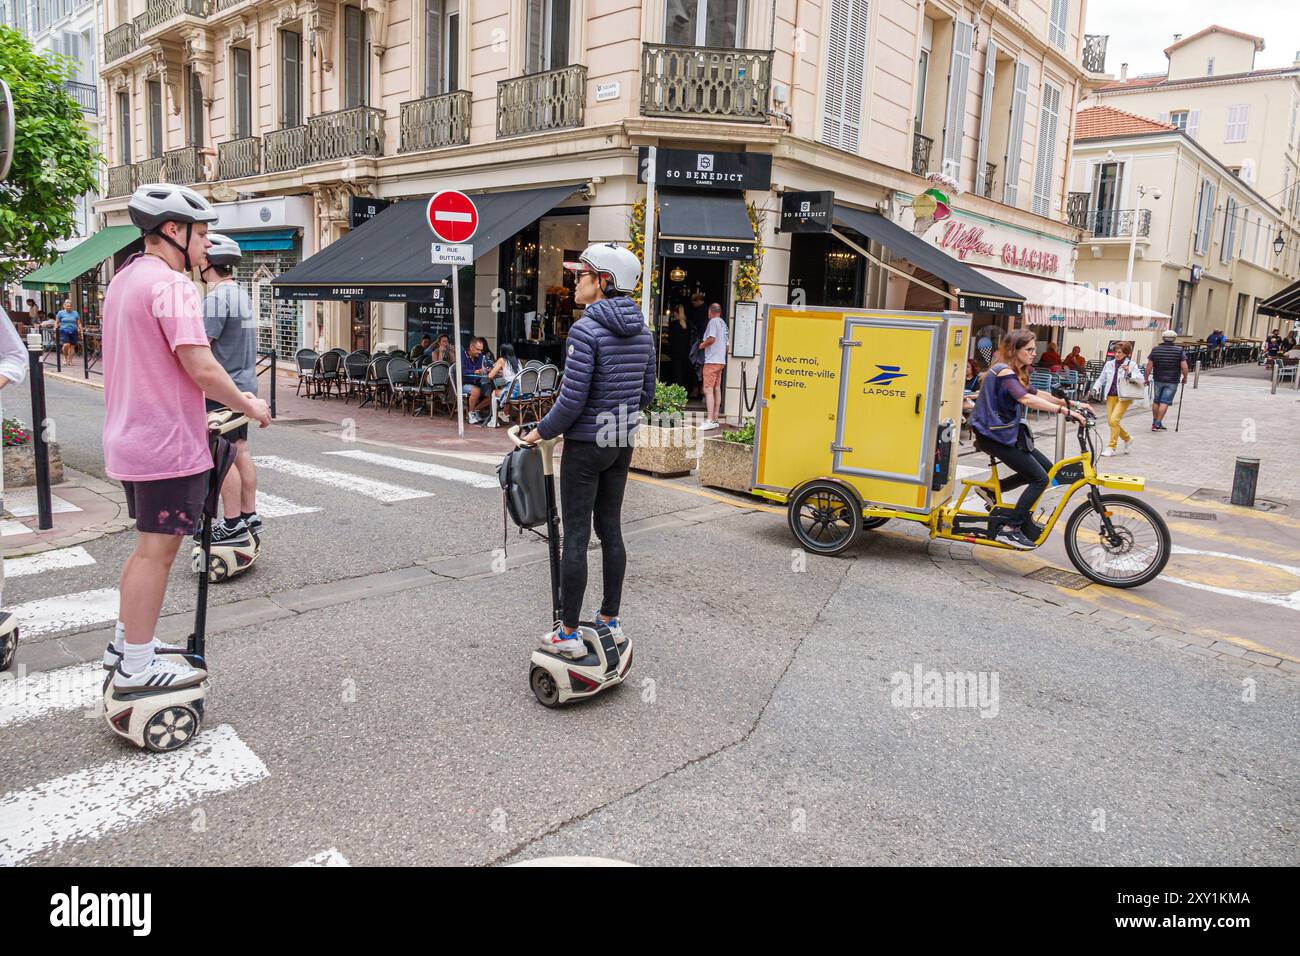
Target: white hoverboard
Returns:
[[556, 678], [8, 639], [225, 561], [168, 718]]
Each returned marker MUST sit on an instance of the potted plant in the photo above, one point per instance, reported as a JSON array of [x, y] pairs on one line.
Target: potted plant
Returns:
[[20, 456], [665, 444], [727, 460]]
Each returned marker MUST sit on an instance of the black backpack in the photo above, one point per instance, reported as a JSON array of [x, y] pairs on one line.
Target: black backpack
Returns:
[[523, 486]]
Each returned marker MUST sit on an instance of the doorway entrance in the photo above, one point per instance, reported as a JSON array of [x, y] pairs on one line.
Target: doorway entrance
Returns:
[[360, 316], [682, 279]]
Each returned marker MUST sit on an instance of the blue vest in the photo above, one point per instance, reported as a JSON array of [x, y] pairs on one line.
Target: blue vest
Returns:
[[997, 415]]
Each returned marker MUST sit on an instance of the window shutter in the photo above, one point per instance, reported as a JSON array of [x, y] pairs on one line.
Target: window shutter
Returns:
[[1044, 171], [1193, 122], [433, 47], [1229, 230], [846, 48], [1237, 122], [1016, 136], [954, 126], [1164, 118], [986, 106], [1056, 28]]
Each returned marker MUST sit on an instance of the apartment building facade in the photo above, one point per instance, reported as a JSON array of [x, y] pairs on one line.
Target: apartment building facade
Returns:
[[1248, 119], [1205, 250], [305, 118]]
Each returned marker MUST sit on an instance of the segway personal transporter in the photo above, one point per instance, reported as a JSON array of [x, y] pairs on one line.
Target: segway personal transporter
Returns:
[[528, 480], [168, 718]]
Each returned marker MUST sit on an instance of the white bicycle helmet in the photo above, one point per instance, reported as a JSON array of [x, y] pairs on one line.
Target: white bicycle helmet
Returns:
[[156, 203], [223, 250], [618, 264]]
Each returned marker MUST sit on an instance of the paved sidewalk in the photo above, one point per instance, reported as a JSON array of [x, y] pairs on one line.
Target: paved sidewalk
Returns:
[[84, 508]]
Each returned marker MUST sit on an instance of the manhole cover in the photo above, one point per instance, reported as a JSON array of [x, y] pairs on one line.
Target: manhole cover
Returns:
[[296, 422], [1194, 515], [1066, 579]]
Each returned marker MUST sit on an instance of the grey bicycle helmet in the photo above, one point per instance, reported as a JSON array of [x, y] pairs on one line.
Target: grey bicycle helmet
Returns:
[[223, 250], [156, 203]]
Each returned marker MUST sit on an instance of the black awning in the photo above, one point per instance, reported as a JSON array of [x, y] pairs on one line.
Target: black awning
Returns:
[[388, 257], [1284, 304], [695, 224], [971, 284]]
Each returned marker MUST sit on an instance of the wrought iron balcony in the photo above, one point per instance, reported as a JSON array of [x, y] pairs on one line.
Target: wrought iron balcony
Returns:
[[541, 101], [150, 171], [1113, 223], [358, 131], [286, 149], [1094, 52], [120, 41], [159, 12], [121, 180], [921, 154], [239, 157], [86, 95], [221, 6], [709, 82], [435, 121], [184, 166], [990, 171]]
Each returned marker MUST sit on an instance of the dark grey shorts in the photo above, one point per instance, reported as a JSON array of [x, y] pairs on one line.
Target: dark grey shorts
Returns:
[[168, 505]]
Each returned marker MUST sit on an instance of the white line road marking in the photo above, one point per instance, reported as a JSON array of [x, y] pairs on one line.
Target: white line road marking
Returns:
[[90, 803], [428, 468], [378, 490], [66, 611], [48, 561], [331, 857], [1290, 601], [46, 692], [21, 503], [269, 506]]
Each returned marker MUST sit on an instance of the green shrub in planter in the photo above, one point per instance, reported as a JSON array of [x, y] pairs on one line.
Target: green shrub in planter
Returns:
[[744, 435], [668, 405]]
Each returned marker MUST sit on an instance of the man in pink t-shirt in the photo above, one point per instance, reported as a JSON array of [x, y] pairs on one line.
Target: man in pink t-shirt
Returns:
[[157, 368]]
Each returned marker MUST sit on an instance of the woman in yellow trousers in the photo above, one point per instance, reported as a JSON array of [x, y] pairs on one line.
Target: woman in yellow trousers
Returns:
[[1119, 376]]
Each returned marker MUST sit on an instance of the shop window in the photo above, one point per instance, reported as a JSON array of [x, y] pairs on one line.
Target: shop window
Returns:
[[441, 47], [824, 271], [290, 79], [547, 44], [717, 23]]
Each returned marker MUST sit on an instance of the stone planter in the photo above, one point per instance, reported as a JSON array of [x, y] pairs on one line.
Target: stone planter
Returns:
[[665, 451], [20, 465], [726, 464]]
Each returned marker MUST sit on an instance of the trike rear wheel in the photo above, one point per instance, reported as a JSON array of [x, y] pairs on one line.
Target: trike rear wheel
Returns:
[[824, 517], [1134, 554]]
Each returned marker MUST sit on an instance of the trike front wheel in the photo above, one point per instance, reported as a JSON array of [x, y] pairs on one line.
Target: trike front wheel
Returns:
[[824, 517], [1125, 545]]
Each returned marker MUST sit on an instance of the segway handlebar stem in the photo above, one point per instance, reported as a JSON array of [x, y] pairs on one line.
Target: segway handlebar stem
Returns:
[[547, 445]]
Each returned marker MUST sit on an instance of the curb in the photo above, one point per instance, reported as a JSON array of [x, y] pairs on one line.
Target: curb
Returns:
[[958, 559]]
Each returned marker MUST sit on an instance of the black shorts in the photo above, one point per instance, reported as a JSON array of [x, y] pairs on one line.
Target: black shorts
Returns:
[[168, 505], [239, 434]]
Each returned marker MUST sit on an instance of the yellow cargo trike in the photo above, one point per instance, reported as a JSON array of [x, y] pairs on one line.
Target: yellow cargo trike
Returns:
[[858, 423]]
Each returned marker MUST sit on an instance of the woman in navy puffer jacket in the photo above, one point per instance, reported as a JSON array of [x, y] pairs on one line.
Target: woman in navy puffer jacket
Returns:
[[609, 378]]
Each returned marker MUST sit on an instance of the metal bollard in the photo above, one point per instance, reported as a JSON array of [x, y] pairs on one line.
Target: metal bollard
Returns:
[[1196, 376], [1060, 437], [41, 451], [274, 376], [1244, 479], [1277, 374]]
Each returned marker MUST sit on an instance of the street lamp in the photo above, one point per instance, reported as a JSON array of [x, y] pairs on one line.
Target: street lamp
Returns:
[[1278, 243], [1133, 234]]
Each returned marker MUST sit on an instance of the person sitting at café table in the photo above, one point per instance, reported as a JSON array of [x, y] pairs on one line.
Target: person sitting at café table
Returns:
[[474, 364], [419, 351], [441, 351], [1050, 358], [504, 376], [1075, 360]]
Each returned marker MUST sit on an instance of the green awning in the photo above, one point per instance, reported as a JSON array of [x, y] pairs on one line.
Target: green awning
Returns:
[[81, 259], [265, 240]]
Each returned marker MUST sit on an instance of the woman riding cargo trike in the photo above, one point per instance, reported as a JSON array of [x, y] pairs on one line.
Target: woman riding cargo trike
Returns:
[[858, 423]]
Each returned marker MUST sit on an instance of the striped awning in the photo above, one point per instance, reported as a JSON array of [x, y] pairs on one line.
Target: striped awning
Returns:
[[1074, 306]]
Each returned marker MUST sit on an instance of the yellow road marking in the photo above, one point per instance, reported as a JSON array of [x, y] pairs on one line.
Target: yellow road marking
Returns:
[[701, 493], [1213, 534], [1219, 508]]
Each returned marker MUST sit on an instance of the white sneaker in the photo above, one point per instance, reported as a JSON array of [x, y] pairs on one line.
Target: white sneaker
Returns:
[[557, 643], [1128, 446], [1108, 452], [163, 673], [709, 425], [474, 418], [113, 657]]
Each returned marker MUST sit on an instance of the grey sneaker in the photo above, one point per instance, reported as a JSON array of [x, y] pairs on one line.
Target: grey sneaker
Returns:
[[1016, 538]]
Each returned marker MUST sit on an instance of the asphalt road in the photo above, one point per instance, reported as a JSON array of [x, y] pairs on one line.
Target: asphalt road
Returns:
[[764, 720]]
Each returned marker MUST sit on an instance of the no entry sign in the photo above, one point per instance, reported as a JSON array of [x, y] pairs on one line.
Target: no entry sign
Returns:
[[453, 217]]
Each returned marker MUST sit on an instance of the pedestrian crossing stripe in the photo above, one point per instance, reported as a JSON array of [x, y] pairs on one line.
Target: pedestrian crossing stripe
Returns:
[[55, 560], [271, 506], [66, 612], [380, 491], [48, 692], [426, 468], [330, 857], [92, 803]]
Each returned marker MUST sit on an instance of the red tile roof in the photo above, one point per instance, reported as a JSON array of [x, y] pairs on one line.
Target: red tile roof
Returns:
[[1259, 41], [1098, 122], [1162, 80]]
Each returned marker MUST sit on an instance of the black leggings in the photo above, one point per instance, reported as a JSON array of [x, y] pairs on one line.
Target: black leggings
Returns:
[[592, 480], [1030, 468]]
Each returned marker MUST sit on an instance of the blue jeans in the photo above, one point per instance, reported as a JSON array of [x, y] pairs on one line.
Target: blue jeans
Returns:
[[1165, 393]]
